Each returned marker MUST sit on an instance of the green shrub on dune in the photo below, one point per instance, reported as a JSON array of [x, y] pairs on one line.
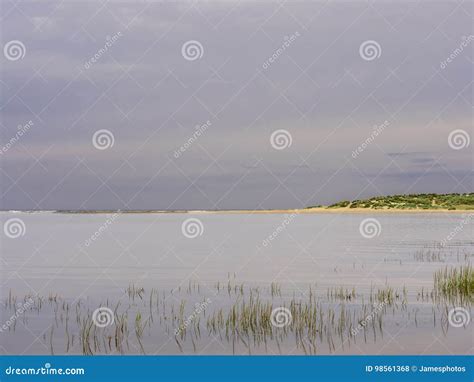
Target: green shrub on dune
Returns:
[[412, 201]]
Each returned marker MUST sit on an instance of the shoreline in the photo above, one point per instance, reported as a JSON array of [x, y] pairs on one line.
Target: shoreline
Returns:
[[324, 210], [315, 210]]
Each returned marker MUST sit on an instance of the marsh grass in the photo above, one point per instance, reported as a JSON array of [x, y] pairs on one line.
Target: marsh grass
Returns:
[[455, 283], [321, 321]]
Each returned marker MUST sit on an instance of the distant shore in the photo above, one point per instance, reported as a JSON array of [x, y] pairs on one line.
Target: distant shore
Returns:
[[326, 210], [303, 211], [398, 204]]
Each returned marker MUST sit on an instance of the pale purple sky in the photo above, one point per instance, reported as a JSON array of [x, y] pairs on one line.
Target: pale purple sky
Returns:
[[320, 89]]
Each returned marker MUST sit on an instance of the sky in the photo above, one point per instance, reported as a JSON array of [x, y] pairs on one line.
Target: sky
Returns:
[[232, 105]]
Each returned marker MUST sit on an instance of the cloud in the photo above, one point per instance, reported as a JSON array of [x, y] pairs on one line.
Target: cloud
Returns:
[[151, 98]]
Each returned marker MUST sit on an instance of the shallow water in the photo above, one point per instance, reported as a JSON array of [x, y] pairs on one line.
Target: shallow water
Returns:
[[91, 259]]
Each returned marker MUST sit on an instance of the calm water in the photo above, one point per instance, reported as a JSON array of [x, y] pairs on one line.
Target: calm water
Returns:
[[84, 261]]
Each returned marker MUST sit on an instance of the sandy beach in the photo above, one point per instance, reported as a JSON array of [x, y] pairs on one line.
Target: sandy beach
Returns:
[[323, 210]]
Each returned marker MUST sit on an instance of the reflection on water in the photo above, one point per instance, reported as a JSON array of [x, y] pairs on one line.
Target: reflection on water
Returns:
[[244, 284]]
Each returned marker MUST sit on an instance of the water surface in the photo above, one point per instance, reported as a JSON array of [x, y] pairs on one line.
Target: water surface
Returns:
[[91, 260]]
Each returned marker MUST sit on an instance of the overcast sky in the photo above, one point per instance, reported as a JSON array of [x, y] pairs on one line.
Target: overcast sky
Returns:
[[252, 69]]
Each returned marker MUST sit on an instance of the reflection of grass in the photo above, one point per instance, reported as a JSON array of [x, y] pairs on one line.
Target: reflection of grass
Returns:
[[413, 201], [455, 282], [313, 321]]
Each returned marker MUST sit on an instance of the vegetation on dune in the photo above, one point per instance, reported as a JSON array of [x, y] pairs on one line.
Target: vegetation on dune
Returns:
[[412, 201]]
